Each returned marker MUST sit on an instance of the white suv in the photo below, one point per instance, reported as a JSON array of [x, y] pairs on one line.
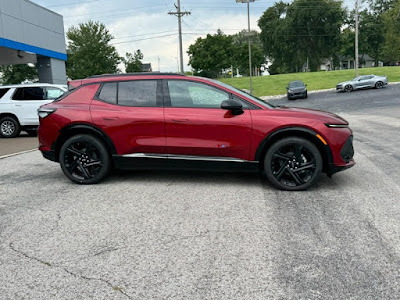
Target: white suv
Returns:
[[19, 105]]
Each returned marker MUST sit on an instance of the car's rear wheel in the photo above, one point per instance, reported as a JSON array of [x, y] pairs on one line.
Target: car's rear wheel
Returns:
[[379, 85], [84, 159], [9, 127], [348, 88], [293, 164]]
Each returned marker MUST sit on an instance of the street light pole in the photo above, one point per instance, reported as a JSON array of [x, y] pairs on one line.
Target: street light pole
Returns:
[[249, 35], [356, 39], [248, 20]]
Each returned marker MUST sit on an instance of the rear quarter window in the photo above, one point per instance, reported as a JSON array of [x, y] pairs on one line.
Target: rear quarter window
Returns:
[[3, 92]]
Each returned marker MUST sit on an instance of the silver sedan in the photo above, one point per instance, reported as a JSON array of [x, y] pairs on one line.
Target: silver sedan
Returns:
[[362, 82]]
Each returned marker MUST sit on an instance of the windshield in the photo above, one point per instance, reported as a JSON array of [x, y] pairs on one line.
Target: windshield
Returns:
[[242, 93], [296, 84], [356, 79]]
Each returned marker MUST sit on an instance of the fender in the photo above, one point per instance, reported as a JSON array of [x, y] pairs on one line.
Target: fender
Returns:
[[80, 128], [295, 131]]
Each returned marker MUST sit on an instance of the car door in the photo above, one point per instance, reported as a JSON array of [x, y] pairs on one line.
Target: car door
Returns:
[[26, 101], [196, 125], [131, 113]]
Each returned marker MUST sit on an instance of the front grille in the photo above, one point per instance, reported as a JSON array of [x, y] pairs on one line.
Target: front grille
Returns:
[[347, 152]]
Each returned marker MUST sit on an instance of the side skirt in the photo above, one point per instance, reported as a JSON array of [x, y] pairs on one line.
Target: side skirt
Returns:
[[141, 161]]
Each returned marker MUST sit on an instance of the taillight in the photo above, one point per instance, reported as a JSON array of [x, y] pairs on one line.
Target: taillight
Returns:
[[45, 112]]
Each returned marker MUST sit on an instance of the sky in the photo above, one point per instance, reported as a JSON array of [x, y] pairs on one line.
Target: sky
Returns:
[[146, 25]]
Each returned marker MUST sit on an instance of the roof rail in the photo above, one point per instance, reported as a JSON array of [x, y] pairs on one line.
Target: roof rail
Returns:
[[133, 74]]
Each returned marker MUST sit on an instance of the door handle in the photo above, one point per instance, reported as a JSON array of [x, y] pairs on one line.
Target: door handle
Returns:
[[18, 105], [110, 118], [180, 120]]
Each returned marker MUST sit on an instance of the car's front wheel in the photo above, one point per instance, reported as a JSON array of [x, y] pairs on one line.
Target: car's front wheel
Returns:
[[293, 164], [9, 127], [348, 88], [84, 159]]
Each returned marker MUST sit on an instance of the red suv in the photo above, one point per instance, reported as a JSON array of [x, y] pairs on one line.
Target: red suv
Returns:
[[170, 121]]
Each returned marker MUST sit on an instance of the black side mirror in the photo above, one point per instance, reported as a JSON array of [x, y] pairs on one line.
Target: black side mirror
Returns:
[[234, 106]]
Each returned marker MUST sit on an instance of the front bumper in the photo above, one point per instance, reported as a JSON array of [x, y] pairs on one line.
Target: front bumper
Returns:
[[347, 153], [48, 154]]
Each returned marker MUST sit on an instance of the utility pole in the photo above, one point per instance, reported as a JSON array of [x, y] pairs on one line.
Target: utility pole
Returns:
[[159, 70], [356, 41], [179, 14]]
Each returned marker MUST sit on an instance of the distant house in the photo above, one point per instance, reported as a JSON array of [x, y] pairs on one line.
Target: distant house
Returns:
[[147, 67], [346, 62]]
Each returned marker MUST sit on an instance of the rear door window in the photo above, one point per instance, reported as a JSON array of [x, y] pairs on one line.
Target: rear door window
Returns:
[[140, 93], [3, 92], [29, 93]]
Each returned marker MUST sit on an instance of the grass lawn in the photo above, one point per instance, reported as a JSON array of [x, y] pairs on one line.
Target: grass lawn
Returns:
[[276, 84]]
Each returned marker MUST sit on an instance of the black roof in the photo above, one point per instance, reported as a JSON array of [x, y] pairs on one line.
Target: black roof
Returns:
[[133, 74]]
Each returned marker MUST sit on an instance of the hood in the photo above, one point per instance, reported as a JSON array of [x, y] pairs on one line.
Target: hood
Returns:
[[297, 89], [323, 116], [345, 82]]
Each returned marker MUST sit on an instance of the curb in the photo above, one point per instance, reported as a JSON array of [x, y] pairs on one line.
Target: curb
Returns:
[[17, 153], [310, 92]]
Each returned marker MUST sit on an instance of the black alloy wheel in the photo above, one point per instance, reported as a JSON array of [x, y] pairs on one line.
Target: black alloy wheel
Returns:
[[9, 127], [293, 164], [379, 85], [348, 88], [84, 159]]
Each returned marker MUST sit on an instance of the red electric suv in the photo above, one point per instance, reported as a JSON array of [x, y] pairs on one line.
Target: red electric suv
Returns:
[[165, 121]]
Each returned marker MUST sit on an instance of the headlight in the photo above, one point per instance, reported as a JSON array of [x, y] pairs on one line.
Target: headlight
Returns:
[[337, 125]]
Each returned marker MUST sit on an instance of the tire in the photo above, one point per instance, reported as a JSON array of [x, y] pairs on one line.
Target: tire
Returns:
[[289, 98], [348, 88], [306, 96], [293, 164], [85, 159], [379, 85], [9, 127]]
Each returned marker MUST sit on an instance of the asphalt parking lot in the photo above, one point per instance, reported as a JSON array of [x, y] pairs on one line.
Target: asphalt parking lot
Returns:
[[190, 235]]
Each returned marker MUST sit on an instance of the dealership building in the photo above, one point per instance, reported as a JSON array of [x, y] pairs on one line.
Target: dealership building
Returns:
[[30, 33]]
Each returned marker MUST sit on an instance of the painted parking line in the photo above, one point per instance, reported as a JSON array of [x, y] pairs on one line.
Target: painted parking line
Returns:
[[17, 153]]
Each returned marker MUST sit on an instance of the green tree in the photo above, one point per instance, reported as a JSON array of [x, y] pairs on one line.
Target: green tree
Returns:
[[133, 62], [15, 74], [240, 57], [316, 25], [210, 55], [303, 30], [391, 47], [277, 43], [89, 51]]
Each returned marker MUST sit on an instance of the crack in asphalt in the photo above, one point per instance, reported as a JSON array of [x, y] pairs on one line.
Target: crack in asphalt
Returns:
[[76, 275]]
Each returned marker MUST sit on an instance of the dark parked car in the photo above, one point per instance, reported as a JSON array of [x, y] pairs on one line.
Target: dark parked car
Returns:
[[296, 89], [168, 121]]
